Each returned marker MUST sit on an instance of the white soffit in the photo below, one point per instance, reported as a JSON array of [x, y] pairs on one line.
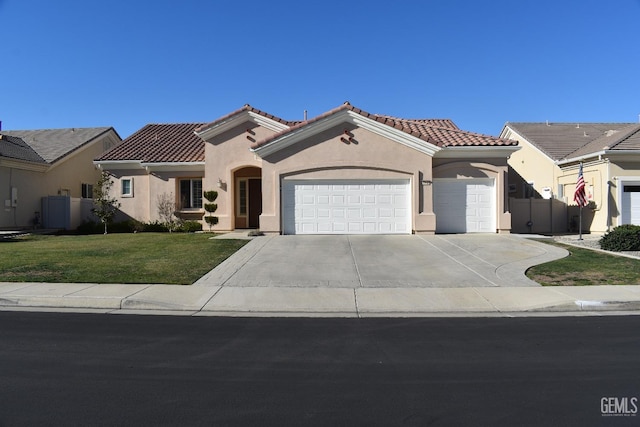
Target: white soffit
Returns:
[[150, 166]]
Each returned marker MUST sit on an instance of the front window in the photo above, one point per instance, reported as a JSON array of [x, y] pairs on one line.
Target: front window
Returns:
[[191, 194], [127, 187]]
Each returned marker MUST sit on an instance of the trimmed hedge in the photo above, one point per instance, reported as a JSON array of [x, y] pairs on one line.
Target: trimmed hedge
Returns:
[[133, 226], [622, 238]]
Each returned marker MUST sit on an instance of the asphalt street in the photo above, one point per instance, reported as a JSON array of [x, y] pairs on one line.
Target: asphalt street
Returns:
[[87, 369]]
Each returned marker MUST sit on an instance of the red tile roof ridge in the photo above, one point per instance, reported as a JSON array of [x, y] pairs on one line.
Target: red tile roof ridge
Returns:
[[464, 138], [245, 107], [442, 122]]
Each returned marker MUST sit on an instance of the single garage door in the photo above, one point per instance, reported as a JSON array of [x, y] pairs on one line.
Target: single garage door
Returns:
[[464, 205], [631, 203], [346, 207]]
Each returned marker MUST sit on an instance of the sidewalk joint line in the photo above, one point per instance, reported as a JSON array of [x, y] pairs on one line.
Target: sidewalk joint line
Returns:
[[355, 263], [462, 264]]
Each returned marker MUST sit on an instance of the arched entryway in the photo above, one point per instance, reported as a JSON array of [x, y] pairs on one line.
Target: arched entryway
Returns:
[[248, 197]]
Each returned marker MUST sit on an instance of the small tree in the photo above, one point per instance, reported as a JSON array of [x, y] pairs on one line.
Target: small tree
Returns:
[[104, 206], [167, 211], [211, 207]]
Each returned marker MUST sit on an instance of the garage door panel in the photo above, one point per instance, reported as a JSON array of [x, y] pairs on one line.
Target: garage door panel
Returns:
[[630, 209], [373, 207], [464, 205]]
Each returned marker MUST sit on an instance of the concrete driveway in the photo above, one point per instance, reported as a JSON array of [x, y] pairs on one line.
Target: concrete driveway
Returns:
[[386, 261]]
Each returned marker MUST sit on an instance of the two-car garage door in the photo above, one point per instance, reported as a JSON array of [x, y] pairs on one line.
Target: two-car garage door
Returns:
[[346, 207]]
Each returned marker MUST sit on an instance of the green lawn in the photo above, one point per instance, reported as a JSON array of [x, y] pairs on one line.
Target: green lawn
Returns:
[[171, 258], [585, 267]]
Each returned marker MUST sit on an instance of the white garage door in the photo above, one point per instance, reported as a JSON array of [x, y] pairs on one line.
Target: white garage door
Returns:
[[346, 207], [464, 205], [631, 203]]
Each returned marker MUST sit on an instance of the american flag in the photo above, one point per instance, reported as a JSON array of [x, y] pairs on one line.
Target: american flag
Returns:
[[579, 196]]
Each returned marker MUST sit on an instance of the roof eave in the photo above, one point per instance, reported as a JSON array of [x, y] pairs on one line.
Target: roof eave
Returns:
[[343, 116], [149, 166], [23, 164], [477, 152], [118, 164], [607, 153], [173, 166]]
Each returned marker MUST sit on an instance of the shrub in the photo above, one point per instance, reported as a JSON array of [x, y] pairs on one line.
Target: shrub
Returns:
[[190, 226], [155, 227], [622, 238], [90, 227]]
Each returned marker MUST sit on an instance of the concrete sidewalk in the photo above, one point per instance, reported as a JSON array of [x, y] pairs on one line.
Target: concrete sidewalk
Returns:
[[317, 301], [221, 293]]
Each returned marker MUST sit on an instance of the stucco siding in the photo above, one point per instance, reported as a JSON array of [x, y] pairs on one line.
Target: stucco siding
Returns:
[[534, 166], [329, 155], [225, 154], [28, 185]]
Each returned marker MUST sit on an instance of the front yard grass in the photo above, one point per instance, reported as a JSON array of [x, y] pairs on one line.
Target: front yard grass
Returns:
[[169, 258], [584, 267]]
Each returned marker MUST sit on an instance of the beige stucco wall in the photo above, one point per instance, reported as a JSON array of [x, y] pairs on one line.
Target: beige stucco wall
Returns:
[[136, 207], [28, 184], [603, 181], [225, 154], [148, 186], [325, 155], [67, 176], [494, 168], [533, 166]]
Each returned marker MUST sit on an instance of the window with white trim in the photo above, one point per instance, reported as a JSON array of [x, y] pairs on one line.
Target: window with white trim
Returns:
[[87, 191], [126, 187], [191, 193]]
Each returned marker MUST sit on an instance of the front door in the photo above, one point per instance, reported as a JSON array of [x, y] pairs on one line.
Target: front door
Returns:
[[255, 202]]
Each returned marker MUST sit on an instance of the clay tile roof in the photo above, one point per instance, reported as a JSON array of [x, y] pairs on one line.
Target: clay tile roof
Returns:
[[160, 143], [439, 132], [244, 108], [13, 147]]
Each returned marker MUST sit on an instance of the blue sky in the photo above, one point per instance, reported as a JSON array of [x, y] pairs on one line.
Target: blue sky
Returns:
[[126, 63]]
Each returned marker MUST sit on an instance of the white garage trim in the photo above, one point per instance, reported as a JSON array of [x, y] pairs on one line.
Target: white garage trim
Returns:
[[376, 206], [629, 202], [465, 205]]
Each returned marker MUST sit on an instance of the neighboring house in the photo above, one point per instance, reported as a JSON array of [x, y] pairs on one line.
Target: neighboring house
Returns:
[[549, 161], [343, 172], [36, 164]]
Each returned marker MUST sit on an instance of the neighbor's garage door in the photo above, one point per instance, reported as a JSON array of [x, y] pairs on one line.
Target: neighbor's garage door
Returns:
[[464, 205], [631, 203], [346, 207]]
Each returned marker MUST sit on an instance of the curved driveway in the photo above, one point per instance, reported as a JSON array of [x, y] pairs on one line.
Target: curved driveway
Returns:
[[354, 261]]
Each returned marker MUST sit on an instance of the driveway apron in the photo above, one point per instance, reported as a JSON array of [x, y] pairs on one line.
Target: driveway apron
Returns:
[[360, 261]]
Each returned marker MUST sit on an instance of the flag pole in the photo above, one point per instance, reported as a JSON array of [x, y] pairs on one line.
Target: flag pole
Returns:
[[580, 226]]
